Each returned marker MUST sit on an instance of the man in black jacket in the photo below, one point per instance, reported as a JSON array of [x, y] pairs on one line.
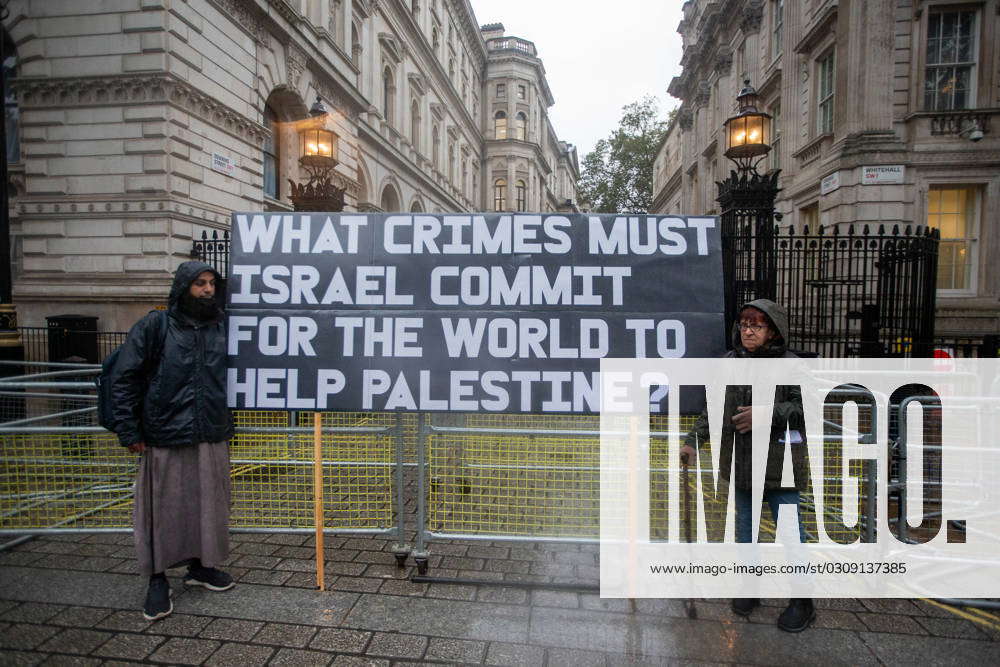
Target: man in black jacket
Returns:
[[169, 392]]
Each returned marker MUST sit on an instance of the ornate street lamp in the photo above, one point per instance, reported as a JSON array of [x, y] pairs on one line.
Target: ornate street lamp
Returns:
[[318, 159], [748, 133], [746, 201]]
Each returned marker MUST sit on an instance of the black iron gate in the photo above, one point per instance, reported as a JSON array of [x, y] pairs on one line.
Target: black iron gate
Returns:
[[857, 292], [852, 293]]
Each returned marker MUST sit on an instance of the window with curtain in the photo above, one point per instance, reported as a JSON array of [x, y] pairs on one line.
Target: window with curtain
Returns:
[[500, 125], [520, 123], [953, 210], [824, 95], [500, 194], [521, 191], [271, 152], [950, 75]]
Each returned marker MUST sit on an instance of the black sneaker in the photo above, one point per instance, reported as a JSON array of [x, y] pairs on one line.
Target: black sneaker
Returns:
[[158, 603], [797, 616], [743, 606], [209, 577]]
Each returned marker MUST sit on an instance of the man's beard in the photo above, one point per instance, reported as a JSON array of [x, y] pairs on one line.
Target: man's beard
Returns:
[[199, 307]]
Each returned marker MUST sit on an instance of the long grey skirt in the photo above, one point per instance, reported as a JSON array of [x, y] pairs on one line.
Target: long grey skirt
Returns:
[[181, 508]]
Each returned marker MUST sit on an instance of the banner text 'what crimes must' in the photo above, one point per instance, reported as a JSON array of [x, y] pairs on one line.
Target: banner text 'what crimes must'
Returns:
[[506, 313]]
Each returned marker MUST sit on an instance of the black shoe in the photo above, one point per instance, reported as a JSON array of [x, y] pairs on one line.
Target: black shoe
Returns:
[[158, 603], [797, 616], [743, 606], [209, 577]]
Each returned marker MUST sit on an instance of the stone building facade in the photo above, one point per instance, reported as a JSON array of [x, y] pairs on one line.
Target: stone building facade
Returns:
[[143, 123], [884, 111]]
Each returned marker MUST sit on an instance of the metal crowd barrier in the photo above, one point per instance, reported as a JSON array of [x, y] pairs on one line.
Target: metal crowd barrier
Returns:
[[536, 478], [932, 499], [478, 476], [72, 476]]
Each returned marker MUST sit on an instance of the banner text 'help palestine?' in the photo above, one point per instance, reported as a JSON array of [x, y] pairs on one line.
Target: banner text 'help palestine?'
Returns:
[[488, 312]]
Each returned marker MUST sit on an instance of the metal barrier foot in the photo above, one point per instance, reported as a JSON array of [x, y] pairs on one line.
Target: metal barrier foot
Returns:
[[400, 551], [420, 559]]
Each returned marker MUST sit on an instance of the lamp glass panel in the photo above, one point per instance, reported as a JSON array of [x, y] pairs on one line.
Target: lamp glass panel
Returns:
[[737, 132], [755, 130]]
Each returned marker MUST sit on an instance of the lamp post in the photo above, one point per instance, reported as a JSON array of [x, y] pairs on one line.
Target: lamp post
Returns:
[[746, 199], [318, 158]]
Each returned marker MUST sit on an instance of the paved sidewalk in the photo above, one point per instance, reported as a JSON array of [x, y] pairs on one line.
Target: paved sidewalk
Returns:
[[74, 600]]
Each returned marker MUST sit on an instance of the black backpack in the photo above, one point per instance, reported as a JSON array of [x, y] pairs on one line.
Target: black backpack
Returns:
[[105, 403]]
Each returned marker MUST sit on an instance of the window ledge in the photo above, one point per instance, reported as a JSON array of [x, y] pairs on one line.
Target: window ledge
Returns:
[[813, 149], [271, 204]]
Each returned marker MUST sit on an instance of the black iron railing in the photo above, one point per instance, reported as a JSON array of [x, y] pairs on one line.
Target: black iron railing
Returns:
[[213, 250], [39, 345], [854, 292]]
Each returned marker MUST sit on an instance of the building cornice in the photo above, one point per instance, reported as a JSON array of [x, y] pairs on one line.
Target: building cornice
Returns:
[[132, 90], [247, 15]]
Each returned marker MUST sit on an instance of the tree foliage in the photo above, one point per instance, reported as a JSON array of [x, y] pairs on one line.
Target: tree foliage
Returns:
[[617, 175]]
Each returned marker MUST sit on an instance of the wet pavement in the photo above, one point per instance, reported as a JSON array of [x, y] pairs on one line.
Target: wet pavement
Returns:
[[74, 599]]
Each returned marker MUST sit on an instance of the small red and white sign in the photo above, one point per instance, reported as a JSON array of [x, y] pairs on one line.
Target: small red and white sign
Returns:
[[223, 164], [887, 174]]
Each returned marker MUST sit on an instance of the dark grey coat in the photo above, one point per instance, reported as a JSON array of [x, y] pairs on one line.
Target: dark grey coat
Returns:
[[183, 399], [787, 407]]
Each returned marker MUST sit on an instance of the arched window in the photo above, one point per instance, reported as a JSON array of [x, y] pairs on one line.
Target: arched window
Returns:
[[520, 191], [500, 125], [465, 177], [435, 41], [415, 9], [451, 69], [390, 200], [415, 125], [271, 152], [388, 94], [436, 147], [500, 194], [416, 207], [520, 122]]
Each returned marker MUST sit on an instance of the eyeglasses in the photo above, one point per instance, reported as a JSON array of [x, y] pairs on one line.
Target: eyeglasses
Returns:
[[752, 326]]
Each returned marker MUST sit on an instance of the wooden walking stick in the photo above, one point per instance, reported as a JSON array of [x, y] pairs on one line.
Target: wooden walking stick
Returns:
[[689, 607], [318, 496]]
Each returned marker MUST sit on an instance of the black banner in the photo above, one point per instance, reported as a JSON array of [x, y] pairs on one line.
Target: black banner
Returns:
[[475, 312]]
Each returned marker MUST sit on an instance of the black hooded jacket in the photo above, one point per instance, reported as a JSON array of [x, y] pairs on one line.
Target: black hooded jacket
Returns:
[[787, 407], [183, 401]]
